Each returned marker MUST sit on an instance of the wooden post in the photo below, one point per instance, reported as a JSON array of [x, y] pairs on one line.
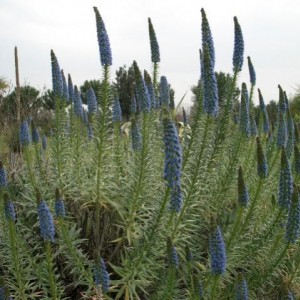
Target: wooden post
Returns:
[[18, 92]]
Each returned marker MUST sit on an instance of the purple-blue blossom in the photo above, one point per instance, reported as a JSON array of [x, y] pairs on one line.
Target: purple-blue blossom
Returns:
[[103, 40]]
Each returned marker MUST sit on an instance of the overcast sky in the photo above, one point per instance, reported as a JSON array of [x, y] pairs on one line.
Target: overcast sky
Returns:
[[271, 31]]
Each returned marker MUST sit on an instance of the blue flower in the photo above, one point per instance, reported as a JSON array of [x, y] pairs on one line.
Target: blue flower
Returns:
[[70, 89], [243, 193], [251, 72], [150, 89], [65, 86], [133, 105], [2, 293], [207, 39], [57, 80], [9, 209], [3, 180], [136, 136], [78, 110], [261, 101], [164, 92], [173, 154], [244, 111], [101, 276], [141, 92], [253, 126], [282, 131], [116, 110], [285, 189], [201, 66], [35, 134], [155, 55], [293, 223], [91, 101], [297, 160], [282, 100], [172, 254], [46, 221], [176, 198], [238, 52], [241, 289], [210, 86], [103, 40], [217, 251], [60, 210], [90, 131], [24, 134], [262, 165], [44, 142], [291, 135]]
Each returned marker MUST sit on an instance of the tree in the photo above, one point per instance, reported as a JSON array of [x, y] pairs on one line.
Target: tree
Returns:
[[95, 84], [30, 104], [124, 87]]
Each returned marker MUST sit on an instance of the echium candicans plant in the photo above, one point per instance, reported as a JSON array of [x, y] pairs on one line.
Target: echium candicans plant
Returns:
[[24, 134], [252, 73], [136, 136], [91, 101], [241, 288], [282, 101], [244, 111], [70, 89], [292, 230], [296, 160], [60, 210], [207, 39], [3, 179], [65, 86], [154, 46], [290, 133], [57, 80], [9, 208], [151, 90], [217, 251], [116, 110], [45, 220], [253, 126], [101, 276], [210, 86], [262, 165], [164, 92], [34, 133], [282, 131], [103, 40], [201, 65], [141, 91], [243, 192], [172, 254], [266, 125], [78, 110], [238, 52], [173, 154], [173, 164], [285, 189]]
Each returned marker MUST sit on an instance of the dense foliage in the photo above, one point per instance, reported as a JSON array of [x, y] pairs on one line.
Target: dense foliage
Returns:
[[98, 208]]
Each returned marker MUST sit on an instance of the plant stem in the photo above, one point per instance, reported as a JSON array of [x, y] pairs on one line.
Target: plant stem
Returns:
[[52, 283]]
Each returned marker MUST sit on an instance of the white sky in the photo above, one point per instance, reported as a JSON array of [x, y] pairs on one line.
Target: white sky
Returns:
[[271, 31]]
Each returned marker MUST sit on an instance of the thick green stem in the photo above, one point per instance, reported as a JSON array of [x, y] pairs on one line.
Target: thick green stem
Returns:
[[51, 274], [101, 142], [191, 188], [16, 260]]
